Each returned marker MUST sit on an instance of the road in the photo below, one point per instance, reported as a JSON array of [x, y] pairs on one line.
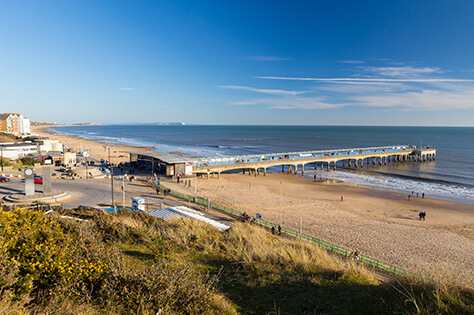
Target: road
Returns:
[[94, 193]]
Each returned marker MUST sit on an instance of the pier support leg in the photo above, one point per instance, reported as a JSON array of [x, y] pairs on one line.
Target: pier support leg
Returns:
[[328, 166], [350, 162], [362, 163], [302, 169], [283, 168]]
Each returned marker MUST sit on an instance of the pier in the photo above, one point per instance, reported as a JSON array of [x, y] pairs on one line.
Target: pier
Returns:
[[294, 162]]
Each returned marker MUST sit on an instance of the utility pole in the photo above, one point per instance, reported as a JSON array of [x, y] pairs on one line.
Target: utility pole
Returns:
[[112, 181]]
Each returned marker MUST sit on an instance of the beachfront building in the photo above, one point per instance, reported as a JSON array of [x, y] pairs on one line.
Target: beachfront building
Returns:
[[15, 151], [69, 159], [24, 125], [15, 123], [3, 122], [49, 145]]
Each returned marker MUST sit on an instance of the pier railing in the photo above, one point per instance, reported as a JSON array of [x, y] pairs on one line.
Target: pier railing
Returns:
[[297, 155], [328, 246]]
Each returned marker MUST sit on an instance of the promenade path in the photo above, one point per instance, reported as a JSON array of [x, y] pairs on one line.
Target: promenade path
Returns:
[[296, 161]]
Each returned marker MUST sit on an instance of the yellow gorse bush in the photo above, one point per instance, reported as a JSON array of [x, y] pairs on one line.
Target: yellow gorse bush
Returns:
[[40, 255]]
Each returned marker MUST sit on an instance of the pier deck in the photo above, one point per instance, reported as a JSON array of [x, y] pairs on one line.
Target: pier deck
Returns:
[[296, 161]]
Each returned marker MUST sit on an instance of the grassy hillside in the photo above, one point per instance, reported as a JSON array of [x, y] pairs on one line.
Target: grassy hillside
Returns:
[[131, 263]]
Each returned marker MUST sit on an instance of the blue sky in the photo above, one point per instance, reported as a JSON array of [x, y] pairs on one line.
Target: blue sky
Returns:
[[239, 62]]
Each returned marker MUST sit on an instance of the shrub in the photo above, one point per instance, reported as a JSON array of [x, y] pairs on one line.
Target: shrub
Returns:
[[28, 160], [37, 257]]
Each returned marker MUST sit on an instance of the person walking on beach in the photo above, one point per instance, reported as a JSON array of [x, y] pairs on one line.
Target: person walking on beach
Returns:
[[342, 197], [279, 230], [423, 196], [273, 230], [408, 197]]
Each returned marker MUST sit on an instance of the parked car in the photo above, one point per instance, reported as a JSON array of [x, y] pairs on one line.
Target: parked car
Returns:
[[4, 179], [38, 179]]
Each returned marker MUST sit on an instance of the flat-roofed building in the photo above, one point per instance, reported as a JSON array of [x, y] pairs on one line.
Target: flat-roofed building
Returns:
[[167, 164], [15, 151]]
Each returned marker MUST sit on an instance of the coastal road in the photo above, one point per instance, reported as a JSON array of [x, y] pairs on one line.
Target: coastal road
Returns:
[[94, 193]]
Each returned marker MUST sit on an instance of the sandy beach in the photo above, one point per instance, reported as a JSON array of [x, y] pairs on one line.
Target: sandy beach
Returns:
[[98, 150], [381, 225]]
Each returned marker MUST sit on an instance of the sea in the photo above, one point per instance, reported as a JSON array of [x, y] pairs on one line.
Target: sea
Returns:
[[449, 177]]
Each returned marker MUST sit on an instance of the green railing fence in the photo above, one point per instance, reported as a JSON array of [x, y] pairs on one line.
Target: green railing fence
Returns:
[[328, 246]]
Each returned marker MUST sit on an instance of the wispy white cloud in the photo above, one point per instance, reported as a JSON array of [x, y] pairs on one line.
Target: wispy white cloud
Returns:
[[403, 71], [307, 103], [392, 87], [264, 91], [126, 89], [425, 100], [267, 58], [354, 62], [363, 79], [357, 88]]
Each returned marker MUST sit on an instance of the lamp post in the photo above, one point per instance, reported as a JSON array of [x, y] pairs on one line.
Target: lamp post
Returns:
[[123, 189], [86, 154], [111, 180], [153, 162], [281, 189]]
